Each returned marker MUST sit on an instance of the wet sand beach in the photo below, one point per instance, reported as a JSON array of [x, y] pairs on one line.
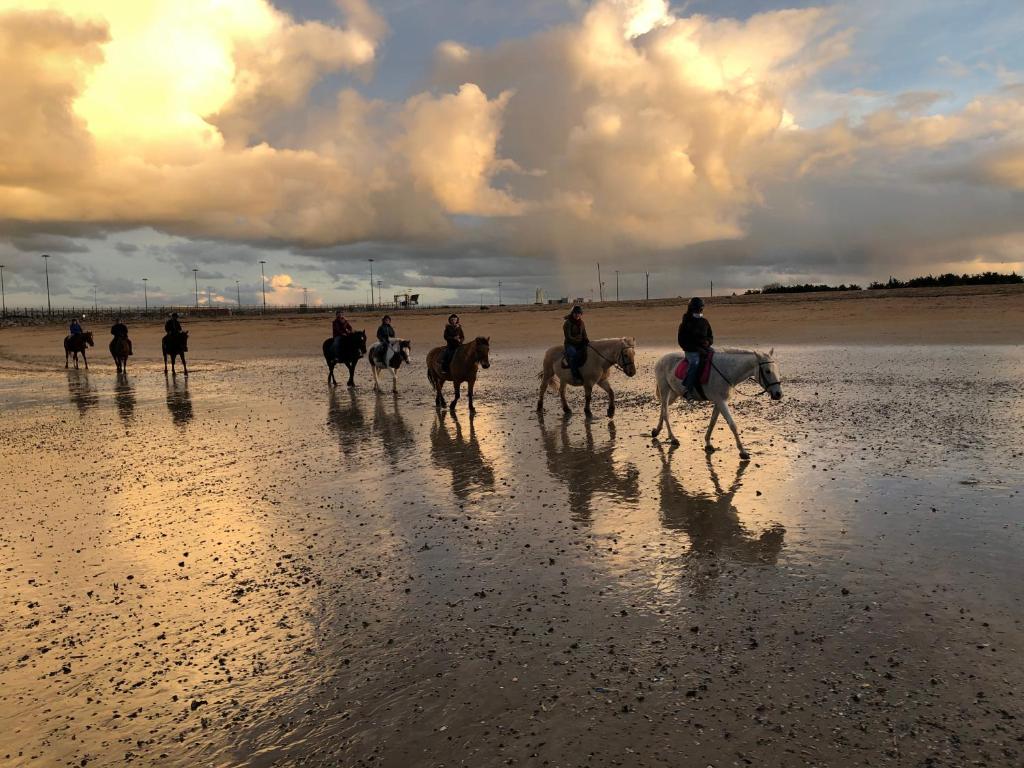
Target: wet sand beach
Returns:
[[250, 568]]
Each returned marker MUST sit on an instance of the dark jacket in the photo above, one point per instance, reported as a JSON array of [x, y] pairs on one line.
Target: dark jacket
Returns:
[[119, 331], [341, 327], [695, 334], [575, 332], [74, 328], [172, 326], [385, 333], [453, 335]]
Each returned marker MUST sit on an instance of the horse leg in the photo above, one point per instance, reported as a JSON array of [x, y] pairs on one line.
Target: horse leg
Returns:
[[457, 385], [85, 360], [724, 408], [67, 356], [351, 374], [565, 405], [711, 427], [544, 383], [184, 365], [439, 401], [394, 381], [376, 379], [603, 384], [588, 392], [469, 392]]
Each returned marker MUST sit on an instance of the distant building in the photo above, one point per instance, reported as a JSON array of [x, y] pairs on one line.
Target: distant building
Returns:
[[539, 296]]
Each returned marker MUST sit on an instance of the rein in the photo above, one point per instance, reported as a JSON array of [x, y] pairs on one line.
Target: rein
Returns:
[[622, 356], [761, 379]]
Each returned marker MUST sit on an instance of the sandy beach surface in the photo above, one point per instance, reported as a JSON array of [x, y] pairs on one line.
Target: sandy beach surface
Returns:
[[250, 568]]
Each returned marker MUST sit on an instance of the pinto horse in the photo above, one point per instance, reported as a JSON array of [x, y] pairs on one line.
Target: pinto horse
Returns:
[[604, 354], [466, 360], [75, 345], [400, 349], [119, 351], [353, 347], [728, 368], [175, 345]]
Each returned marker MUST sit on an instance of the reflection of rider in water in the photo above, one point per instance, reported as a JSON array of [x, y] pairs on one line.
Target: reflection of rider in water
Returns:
[[384, 335], [453, 337], [576, 341], [696, 338], [120, 331]]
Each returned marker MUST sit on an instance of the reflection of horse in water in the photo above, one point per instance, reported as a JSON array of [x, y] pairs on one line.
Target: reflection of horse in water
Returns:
[[124, 398], [179, 401], [76, 345], [83, 395], [588, 469], [470, 469], [712, 522], [345, 418], [394, 433]]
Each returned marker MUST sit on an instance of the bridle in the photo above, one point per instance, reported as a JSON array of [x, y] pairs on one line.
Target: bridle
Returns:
[[761, 378], [621, 363]]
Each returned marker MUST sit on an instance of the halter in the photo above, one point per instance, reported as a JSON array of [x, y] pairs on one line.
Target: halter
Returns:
[[761, 378], [621, 364]]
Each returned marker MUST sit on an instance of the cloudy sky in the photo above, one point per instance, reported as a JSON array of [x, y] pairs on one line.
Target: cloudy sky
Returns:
[[459, 143]]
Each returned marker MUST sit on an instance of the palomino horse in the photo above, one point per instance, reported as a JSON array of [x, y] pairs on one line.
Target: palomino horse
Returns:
[[353, 347], [728, 368], [465, 362], [400, 349], [75, 345], [602, 355], [175, 345], [119, 351]]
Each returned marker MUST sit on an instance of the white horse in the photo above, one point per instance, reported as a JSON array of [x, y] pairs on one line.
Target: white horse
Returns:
[[602, 355], [397, 353], [729, 368]]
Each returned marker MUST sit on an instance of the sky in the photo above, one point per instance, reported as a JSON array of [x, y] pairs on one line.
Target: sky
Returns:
[[465, 143]]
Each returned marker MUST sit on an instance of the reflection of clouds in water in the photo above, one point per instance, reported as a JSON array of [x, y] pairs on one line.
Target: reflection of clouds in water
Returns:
[[711, 520], [179, 400], [587, 468], [83, 394], [391, 427], [124, 398], [345, 418], [471, 471]]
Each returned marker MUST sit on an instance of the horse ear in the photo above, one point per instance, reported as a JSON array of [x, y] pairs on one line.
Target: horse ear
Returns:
[[771, 352]]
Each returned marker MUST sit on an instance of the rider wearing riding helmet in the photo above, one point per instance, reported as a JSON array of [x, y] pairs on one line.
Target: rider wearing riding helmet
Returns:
[[75, 328], [453, 337], [576, 341], [120, 331], [172, 327], [696, 338], [339, 329], [384, 335]]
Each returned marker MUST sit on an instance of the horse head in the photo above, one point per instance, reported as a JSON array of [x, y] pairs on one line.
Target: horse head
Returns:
[[404, 349], [360, 337], [768, 374], [483, 350], [87, 335], [627, 356]]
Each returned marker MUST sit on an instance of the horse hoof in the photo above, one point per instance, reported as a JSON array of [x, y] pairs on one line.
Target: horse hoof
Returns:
[[588, 414], [709, 449], [654, 432], [744, 456], [675, 442], [611, 414]]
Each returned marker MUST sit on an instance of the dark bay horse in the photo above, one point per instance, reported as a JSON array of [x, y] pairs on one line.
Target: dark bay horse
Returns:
[[119, 351], [353, 347], [75, 345], [468, 358], [175, 345]]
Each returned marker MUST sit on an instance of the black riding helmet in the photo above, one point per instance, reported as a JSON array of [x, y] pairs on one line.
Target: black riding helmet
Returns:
[[576, 310], [695, 306]]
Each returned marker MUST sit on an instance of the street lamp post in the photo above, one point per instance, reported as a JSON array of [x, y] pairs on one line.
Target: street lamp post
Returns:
[[238, 294], [195, 274], [145, 293], [46, 266], [263, 285], [380, 288], [499, 293], [95, 306], [647, 286], [616, 285], [3, 294], [371, 282]]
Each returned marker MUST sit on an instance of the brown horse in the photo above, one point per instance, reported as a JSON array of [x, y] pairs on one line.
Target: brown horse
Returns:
[[175, 345], [119, 347], [75, 345], [465, 363]]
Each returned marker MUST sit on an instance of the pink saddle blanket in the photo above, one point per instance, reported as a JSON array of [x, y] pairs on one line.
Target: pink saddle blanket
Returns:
[[705, 373]]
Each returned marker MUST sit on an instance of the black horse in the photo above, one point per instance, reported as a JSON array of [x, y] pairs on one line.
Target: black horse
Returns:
[[353, 347], [175, 345]]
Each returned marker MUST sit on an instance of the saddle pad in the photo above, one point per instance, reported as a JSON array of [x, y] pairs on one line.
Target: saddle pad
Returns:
[[705, 373]]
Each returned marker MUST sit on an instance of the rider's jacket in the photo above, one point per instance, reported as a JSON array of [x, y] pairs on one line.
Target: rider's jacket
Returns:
[[575, 332], [695, 334], [172, 326], [385, 333], [341, 327], [453, 335]]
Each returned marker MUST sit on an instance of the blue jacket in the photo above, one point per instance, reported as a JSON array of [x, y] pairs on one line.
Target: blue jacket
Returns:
[[75, 327]]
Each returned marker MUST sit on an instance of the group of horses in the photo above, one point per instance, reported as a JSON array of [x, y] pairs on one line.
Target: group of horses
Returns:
[[727, 369], [173, 345]]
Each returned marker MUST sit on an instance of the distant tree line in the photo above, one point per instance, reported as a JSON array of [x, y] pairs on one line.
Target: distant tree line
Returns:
[[935, 281], [928, 281]]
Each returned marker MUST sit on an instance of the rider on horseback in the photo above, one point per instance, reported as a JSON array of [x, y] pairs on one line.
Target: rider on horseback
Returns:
[[576, 341], [384, 336], [339, 329], [120, 331], [696, 338], [453, 337], [172, 327], [75, 328]]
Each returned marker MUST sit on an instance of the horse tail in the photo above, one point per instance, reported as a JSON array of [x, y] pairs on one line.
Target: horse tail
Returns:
[[547, 375]]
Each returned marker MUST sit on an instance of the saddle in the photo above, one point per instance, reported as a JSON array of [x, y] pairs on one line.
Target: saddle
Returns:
[[702, 377]]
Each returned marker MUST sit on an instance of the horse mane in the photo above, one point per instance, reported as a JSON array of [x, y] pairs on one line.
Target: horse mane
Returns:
[[482, 340]]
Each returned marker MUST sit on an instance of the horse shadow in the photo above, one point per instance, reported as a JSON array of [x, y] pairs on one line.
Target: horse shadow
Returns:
[[179, 401], [83, 394], [346, 420], [391, 427], [587, 468], [712, 522], [461, 456], [124, 398]]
